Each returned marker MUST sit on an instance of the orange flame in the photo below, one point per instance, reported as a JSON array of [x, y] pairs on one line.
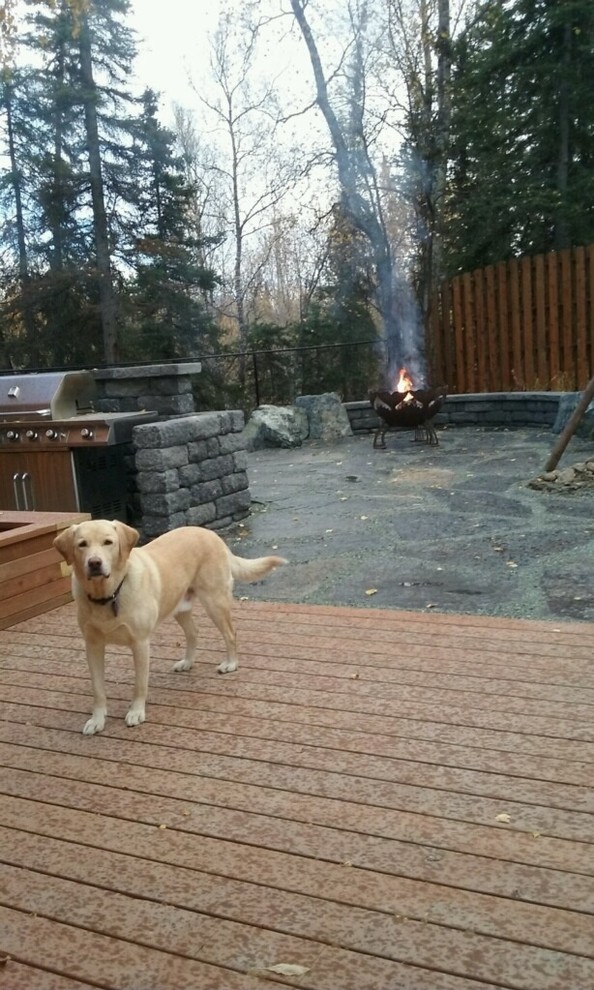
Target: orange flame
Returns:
[[405, 382]]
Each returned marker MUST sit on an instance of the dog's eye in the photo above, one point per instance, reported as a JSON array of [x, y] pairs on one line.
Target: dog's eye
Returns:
[[83, 543], [108, 543]]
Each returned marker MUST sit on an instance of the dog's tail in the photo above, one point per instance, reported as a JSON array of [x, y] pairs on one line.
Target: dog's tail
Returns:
[[244, 569]]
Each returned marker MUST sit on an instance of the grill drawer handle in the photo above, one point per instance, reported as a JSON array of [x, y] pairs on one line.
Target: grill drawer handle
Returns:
[[16, 478], [24, 496], [28, 492]]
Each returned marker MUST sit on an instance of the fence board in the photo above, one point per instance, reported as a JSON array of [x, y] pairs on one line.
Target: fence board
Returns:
[[469, 332], [542, 368], [580, 315], [555, 363], [527, 324], [566, 320], [502, 281], [459, 334], [491, 323], [517, 371], [480, 330]]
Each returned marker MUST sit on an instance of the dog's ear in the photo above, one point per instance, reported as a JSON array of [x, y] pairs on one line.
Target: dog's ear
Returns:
[[64, 543], [127, 536]]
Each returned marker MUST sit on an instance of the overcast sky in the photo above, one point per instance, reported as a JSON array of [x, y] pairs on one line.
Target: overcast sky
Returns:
[[172, 44]]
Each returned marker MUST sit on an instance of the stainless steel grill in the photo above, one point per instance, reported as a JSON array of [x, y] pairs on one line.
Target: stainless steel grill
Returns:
[[58, 454]]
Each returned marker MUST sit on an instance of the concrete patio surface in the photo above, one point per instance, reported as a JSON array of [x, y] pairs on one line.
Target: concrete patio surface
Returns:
[[453, 528]]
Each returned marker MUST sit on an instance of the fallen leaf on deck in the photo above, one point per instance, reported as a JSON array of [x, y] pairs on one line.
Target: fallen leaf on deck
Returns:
[[371, 591], [504, 817], [288, 969], [511, 563], [363, 517]]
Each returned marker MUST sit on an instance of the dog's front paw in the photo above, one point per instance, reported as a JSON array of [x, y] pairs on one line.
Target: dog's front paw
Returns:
[[96, 723], [135, 716], [227, 666], [182, 665]]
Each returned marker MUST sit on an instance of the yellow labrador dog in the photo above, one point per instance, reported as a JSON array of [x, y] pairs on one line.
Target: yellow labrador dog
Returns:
[[123, 592]]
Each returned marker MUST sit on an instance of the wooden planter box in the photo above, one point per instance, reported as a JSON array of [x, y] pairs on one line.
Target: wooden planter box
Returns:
[[33, 576]]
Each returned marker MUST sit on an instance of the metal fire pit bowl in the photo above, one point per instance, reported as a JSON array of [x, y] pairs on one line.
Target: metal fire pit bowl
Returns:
[[413, 409]]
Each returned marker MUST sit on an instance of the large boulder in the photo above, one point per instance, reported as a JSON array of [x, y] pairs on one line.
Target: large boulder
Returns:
[[567, 406], [326, 416], [275, 426]]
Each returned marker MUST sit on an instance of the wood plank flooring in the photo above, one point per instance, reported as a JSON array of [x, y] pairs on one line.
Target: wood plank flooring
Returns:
[[386, 800]]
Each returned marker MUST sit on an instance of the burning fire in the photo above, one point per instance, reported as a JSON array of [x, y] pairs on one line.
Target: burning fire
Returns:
[[404, 384]]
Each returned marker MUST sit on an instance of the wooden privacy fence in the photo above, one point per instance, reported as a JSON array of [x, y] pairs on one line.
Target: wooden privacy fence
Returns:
[[523, 324]]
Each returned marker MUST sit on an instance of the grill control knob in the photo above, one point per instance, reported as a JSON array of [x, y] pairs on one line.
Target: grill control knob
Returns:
[[12, 435], [32, 434], [86, 433], [51, 434]]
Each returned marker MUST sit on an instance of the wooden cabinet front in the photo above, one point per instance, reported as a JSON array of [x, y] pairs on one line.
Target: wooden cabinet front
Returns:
[[49, 487]]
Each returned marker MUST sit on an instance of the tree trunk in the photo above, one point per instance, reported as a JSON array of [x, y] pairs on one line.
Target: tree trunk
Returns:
[[355, 174], [24, 277], [100, 226], [562, 233]]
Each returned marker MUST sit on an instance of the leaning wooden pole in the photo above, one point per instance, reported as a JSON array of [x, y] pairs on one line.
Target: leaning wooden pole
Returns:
[[571, 426]]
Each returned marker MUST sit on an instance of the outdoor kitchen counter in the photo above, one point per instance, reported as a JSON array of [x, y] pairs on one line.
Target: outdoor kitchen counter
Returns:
[[33, 576]]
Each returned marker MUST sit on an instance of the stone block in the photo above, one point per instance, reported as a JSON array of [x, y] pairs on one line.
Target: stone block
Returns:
[[216, 467], [154, 525], [200, 515], [240, 460], [167, 504], [234, 482], [188, 475], [158, 482], [170, 433], [207, 491], [197, 451], [151, 459], [231, 505], [230, 443]]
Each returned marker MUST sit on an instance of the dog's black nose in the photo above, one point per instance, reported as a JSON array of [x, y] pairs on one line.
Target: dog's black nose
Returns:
[[94, 565]]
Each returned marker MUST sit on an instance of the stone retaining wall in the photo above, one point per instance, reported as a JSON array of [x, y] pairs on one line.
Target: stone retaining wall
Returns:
[[481, 409], [164, 388], [192, 471]]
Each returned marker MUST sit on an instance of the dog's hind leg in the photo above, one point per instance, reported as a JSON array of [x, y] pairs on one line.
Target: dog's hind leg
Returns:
[[218, 608], [186, 621], [141, 653]]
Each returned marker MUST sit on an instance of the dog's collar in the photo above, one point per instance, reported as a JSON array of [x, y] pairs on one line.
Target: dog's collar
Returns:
[[111, 599]]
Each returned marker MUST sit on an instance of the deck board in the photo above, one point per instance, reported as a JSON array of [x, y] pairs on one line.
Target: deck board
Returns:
[[336, 804]]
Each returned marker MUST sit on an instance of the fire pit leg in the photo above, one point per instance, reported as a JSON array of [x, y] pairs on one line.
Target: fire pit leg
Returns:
[[380, 434], [432, 438]]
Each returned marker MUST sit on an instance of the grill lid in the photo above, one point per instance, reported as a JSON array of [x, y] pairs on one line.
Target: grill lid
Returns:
[[46, 395]]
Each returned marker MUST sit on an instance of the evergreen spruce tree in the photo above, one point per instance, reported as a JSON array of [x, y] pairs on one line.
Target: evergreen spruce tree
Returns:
[[522, 177], [167, 295]]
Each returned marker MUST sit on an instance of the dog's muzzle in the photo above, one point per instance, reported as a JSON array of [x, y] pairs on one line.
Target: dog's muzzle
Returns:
[[95, 567]]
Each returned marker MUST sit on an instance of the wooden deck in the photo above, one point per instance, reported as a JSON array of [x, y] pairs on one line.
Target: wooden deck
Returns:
[[389, 800]]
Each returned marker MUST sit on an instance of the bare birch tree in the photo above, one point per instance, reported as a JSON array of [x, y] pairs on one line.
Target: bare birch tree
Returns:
[[361, 194], [251, 177]]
